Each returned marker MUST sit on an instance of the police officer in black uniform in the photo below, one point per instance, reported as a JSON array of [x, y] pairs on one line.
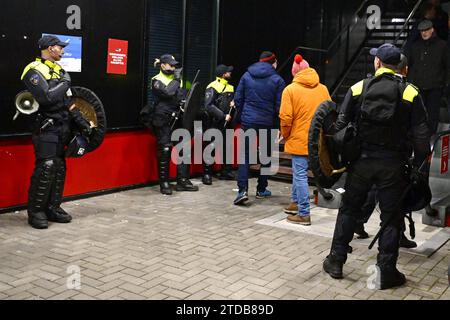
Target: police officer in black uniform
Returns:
[[50, 84], [390, 117], [219, 106], [370, 204], [168, 94]]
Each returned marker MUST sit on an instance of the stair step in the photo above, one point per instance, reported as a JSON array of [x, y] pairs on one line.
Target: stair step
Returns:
[[389, 30], [397, 20], [282, 155], [387, 33], [377, 43], [285, 170]]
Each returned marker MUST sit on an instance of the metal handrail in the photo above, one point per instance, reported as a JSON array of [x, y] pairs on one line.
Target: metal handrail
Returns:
[[297, 49], [405, 25], [350, 69], [345, 29]]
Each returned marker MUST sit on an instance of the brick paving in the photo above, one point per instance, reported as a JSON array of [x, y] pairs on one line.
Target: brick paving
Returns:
[[142, 245]]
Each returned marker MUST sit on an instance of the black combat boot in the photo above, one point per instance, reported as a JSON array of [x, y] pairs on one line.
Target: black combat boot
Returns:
[[54, 211], [360, 232], [388, 245], [226, 173], [163, 166], [183, 182], [390, 277], [333, 267], [39, 193], [207, 175], [406, 243]]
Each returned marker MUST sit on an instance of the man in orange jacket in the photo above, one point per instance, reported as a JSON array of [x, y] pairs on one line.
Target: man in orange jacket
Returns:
[[298, 105]]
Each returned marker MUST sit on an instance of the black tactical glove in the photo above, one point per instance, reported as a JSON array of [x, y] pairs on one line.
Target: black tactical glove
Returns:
[[177, 73], [81, 123], [65, 76], [416, 175]]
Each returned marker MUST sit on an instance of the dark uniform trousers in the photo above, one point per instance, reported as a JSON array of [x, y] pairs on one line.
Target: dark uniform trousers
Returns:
[[388, 175]]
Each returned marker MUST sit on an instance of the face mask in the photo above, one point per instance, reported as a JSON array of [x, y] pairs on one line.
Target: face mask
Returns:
[[168, 72]]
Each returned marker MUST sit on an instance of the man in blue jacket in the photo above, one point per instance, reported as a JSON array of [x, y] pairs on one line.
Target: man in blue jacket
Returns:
[[257, 101]]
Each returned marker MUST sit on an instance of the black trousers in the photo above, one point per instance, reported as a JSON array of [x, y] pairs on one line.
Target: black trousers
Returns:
[[225, 145], [369, 207], [432, 99], [163, 134], [389, 178]]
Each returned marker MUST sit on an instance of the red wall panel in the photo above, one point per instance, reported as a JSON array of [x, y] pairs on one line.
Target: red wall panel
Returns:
[[124, 159]]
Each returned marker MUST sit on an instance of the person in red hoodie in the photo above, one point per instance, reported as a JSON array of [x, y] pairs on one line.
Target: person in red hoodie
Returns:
[[299, 102]]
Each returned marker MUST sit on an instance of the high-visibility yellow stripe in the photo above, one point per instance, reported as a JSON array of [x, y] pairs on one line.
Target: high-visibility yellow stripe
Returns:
[[384, 71], [163, 78], [49, 70], [221, 86]]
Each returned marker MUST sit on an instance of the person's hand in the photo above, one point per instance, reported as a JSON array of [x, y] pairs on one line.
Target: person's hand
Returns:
[[232, 104], [280, 137], [416, 176], [227, 118], [85, 128], [82, 124], [66, 77], [177, 73]]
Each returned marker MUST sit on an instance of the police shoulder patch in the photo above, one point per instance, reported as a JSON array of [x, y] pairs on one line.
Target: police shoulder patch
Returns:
[[34, 79]]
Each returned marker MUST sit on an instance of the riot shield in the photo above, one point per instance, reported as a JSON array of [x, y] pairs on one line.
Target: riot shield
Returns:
[[192, 106], [91, 108], [324, 160]]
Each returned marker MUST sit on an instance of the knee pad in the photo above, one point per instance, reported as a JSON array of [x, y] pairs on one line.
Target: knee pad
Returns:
[[49, 164]]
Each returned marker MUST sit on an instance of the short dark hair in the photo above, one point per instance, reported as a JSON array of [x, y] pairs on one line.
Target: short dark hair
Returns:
[[389, 66]]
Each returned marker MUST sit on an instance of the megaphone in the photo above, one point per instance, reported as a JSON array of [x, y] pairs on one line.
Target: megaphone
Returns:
[[25, 103]]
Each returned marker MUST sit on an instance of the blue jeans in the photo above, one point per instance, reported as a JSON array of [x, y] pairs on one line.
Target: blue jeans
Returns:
[[300, 189], [243, 169]]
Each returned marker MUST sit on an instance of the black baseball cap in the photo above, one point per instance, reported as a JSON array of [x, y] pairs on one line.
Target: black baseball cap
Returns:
[[168, 58], [221, 69], [387, 53], [49, 40]]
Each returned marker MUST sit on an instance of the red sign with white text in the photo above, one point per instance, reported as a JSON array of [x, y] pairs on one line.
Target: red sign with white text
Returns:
[[444, 157], [117, 56]]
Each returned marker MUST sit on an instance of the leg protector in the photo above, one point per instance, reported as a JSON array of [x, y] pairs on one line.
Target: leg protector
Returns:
[[207, 174], [54, 211], [39, 193], [164, 153], [388, 246]]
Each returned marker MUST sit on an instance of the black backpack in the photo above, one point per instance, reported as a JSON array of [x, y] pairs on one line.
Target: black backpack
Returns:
[[380, 120]]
